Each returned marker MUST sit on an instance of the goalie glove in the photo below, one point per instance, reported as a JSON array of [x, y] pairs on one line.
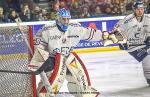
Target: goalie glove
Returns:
[[105, 37], [113, 38], [108, 38], [119, 35], [41, 61]]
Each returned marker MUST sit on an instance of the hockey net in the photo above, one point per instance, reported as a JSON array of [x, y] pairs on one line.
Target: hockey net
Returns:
[[15, 56]]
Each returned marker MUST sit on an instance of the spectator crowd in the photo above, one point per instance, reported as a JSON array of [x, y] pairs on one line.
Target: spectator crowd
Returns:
[[30, 10]]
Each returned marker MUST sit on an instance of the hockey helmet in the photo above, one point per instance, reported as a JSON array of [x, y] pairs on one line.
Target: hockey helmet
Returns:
[[63, 13], [138, 4]]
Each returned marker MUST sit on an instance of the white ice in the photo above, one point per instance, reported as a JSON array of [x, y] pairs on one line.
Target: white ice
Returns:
[[114, 74]]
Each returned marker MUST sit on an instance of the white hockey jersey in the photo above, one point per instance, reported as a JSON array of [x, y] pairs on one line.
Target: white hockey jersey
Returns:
[[135, 31], [56, 41]]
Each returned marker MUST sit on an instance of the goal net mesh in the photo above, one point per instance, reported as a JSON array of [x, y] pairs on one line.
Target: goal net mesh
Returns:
[[14, 56]]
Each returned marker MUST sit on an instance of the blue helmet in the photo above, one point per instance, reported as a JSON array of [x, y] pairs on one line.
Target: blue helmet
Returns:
[[138, 4], [63, 13]]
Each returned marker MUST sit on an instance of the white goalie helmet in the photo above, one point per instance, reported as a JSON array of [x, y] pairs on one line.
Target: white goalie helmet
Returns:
[[63, 13]]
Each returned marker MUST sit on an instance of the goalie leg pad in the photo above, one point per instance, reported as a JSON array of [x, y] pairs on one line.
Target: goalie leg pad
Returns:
[[41, 85], [73, 87], [58, 75], [79, 76]]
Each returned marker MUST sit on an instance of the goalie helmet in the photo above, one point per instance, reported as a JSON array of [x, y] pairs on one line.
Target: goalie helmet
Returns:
[[63, 14]]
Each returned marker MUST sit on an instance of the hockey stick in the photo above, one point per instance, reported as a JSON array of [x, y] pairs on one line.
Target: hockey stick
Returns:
[[24, 37], [42, 74]]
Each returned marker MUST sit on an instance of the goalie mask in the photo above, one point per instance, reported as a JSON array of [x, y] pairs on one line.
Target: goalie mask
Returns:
[[63, 18]]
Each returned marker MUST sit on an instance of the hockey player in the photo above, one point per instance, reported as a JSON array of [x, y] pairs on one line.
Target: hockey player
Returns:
[[58, 40], [135, 28]]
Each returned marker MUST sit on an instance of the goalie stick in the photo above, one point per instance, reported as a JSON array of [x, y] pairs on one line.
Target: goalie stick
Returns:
[[24, 37]]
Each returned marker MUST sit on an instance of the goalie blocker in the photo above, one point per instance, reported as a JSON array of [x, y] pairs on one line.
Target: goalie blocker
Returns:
[[71, 68]]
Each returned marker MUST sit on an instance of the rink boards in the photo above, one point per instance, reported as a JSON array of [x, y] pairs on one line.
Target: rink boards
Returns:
[[102, 23], [99, 49]]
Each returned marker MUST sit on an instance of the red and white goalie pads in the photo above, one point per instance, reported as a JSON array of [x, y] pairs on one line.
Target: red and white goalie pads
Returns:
[[81, 77], [79, 72], [58, 73], [56, 78]]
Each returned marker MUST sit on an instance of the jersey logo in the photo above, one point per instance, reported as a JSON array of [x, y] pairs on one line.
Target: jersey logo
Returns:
[[137, 35], [54, 37]]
